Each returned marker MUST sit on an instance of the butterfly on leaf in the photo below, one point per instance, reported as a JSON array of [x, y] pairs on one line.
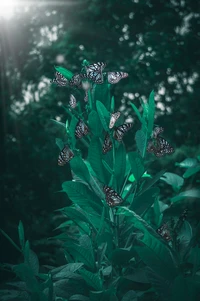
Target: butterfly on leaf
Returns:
[[72, 101], [107, 145], [75, 81], [113, 119], [158, 145], [121, 130], [115, 77], [81, 129], [60, 80], [164, 232], [112, 197], [94, 72], [65, 156]]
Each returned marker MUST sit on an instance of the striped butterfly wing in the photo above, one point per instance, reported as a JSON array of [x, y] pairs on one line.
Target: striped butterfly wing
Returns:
[[107, 145], [75, 81], [81, 129], [94, 72], [164, 232], [115, 77], [113, 119], [163, 147], [157, 131], [121, 130], [60, 80], [65, 156], [112, 197], [72, 101]]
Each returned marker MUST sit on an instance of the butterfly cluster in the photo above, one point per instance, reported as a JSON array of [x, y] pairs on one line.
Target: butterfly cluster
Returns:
[[158, 145], [112, 197], [118, 134], [65, 156]]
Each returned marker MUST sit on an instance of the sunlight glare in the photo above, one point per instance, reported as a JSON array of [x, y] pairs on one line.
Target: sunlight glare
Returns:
[[7, 8]]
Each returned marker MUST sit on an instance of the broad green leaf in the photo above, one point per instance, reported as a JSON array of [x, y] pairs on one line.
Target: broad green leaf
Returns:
[[72, 128], [25, 273], [172, 179], [120, 164], [102, 93], [141, 141], [67, 270], [58, 123], [182, 289], [151, 112], [95, 157], [191, 193], [137, 165], [189, 162], [138, 275], [132, 178], [145, 200], [31, 259], [130, 296], [191, 171], [107, 271], [82, 196], [65, 72], [59, 143], [121, 256], [21, 234], [80, 169], [104, 115], [194, 257], [137, 113], [112, 107], [81, 254], [184, 236], [92, 279], [95, 123]]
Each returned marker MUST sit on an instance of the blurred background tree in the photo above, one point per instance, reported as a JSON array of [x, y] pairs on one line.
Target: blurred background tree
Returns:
[[156, 42]]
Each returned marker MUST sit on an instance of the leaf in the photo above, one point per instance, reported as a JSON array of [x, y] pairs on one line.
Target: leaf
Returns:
[[95, 158], [189, 162], [141, 141], [59, 143], [65, 72], [138, 113], [191, 193], [58, 123], [173, 179], [151, 182], [120, 164], [137, 166], [25, 273], [130, 296], [112, 106], [107, 271], [81, 254], [102, 93], [191, 171], [21, 234], [95, 123], [92, 279], [121, 256], [79, 298], [104, 115], [151, 112], [82, 196], [67, 270], [80, 169], [181, 289], [138, 275], [145, 200]]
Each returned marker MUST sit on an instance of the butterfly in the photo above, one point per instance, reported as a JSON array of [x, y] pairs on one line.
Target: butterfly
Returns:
[[164, 232], [107, 144], [60, 80], [115, 77], [157, 130], [94, 72], [158, 145], [112, 197], [75, 80], [113, 119], [121, 130], [65, 156], [81, 129], [72, 102]]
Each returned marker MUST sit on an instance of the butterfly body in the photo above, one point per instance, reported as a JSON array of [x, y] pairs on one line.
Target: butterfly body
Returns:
[[65, 156], [81, 129], [112, 197]]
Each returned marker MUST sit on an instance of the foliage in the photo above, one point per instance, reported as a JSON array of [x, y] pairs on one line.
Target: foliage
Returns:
[[113, 252]]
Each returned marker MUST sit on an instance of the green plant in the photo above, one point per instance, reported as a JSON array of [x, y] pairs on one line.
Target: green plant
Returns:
[[113, 252]]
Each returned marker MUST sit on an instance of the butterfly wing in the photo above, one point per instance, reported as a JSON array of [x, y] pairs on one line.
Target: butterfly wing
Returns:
[[113, 119], [115, 77], [157, 130], [60, 80], [121, 130], [81, 129], [72, 101], [163, 147], [65, 156], [107, 144], [75, 81], [112, 197], [164, 232], [94, 72]]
